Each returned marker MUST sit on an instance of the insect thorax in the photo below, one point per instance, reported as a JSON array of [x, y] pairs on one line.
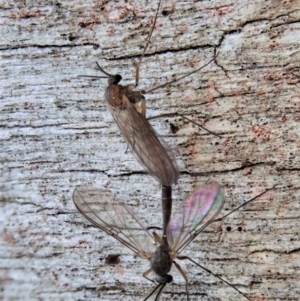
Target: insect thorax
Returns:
[[118, 96], [133, 96]]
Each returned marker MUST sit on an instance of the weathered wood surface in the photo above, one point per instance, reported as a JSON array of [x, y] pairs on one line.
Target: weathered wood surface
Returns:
[[56, 134]]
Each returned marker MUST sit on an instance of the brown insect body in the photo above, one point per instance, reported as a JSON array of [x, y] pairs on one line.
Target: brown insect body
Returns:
[[150, 151], [128, 108]]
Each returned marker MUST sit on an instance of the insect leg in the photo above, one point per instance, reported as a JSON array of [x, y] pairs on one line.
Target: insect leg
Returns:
[[147, 273], [210, 272], [237, 208], [161, 286], [180, 78], [175, 114], [157, 238], [137, 69], [183, 274]]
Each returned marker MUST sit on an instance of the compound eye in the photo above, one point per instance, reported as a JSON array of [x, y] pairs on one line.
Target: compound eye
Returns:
[[114, 79], [118, 78], [169, 279], [164, 279]]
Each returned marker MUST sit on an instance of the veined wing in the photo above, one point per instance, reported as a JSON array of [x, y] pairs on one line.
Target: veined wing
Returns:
[[152, 153], [113, 217], [196, 212]]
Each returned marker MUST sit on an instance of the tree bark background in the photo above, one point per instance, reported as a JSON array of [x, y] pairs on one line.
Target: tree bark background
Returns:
[[56, 134]]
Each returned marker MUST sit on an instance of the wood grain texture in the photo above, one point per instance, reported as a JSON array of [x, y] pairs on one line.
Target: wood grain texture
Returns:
[[56, 134]]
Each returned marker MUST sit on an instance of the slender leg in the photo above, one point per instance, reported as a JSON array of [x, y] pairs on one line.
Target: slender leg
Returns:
[[137, 68], [162, 285], [157, 238], [190, 120], [147, 273], [210, 272], [180, 78], [183, 274]]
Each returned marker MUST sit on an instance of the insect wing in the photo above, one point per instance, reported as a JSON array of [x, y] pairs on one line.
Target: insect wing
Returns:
[[113, 217], [194, 215], [152, 153]]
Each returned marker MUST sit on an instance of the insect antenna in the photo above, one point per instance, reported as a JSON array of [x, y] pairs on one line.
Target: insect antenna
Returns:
[[137, 69], [92, 76], [97, 76], [103, 71], [210, 272]]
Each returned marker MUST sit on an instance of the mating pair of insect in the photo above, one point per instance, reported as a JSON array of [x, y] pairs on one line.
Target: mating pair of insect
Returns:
[[199, 210]]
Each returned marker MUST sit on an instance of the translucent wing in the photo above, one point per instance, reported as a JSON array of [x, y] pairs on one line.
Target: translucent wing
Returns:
[[152, 153], [113, 217], [194, 215]]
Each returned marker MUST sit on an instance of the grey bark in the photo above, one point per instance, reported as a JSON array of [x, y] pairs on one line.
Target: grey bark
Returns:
[[56, 134]]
